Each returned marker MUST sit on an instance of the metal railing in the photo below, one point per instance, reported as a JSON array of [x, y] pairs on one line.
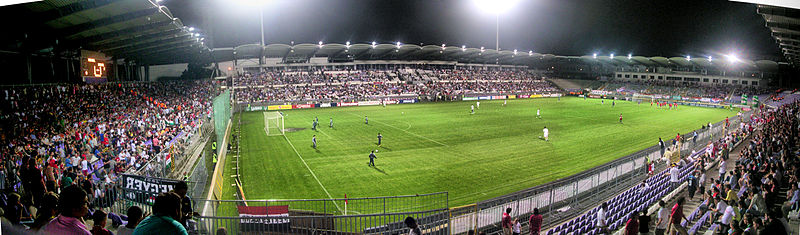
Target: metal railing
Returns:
[[379, 215]]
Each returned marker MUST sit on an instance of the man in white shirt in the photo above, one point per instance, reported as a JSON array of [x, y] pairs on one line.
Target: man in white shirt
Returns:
[[663, 218], [674, 176], [727, 217], [546, 134], [601, 218], [722, 169]]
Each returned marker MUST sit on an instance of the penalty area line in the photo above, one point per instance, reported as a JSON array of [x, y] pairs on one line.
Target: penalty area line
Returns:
[[312, 173]]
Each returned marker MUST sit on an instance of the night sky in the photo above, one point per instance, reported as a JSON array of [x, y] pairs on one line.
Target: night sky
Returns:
[[562, 27]]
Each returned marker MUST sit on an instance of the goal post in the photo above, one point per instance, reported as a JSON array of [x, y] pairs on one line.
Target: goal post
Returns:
[[273, 123], [643, 98]]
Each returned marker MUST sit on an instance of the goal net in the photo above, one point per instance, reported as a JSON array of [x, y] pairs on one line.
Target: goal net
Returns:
[[273, 123], [643, 98]]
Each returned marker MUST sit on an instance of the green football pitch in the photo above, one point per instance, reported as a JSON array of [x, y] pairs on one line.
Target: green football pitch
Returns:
[[435, 147]]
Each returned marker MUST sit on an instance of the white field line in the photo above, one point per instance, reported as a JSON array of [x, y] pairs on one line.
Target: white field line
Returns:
[[312, 172]]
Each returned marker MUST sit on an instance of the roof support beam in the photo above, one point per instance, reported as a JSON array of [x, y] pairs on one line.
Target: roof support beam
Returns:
[[126, 32], [75, 29], [778, 11], [152, 35], [155, 49], [70, 9], [140, 46]]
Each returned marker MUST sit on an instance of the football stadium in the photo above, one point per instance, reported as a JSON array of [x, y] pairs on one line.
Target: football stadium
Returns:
[[400, 117]]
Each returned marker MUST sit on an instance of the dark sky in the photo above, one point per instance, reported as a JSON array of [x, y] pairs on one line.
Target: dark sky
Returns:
[[563, 27]]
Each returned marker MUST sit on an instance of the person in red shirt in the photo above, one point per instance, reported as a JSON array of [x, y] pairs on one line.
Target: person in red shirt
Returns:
[[535, 222], [507, 222], [632, 226], [676, 216]]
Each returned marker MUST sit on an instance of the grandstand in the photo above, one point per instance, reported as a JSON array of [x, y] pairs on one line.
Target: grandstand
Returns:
[[124, 104]]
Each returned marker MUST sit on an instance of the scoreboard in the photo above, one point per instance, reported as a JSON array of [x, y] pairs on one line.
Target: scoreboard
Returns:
[[93, 66]]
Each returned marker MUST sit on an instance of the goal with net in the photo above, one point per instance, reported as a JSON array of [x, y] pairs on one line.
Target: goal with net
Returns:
[[644, 98], [273, 123]]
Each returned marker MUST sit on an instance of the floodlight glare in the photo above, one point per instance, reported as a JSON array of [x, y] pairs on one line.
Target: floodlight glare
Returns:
[[481, 49], [709, 58], [495, 6], [688, 57], [612, 56], [732, 58], [443, 44], [630, 56], [398, 44], [255, 3], [191, 28], [347, 43], [594, 56]]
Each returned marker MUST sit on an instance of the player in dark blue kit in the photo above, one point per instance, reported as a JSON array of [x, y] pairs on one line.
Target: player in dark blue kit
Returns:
[[366, 120], [380, 137], [372, 158]]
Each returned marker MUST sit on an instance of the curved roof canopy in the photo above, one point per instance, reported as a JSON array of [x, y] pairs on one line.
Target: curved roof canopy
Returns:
[[134, 30]]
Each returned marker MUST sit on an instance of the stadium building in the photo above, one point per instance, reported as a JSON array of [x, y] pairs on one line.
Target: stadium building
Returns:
[[118, 116]]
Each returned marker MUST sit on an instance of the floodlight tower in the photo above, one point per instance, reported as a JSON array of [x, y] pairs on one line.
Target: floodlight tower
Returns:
[[496, 7]]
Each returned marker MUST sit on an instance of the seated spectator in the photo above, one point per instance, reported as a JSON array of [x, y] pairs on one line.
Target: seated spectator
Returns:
[[47, 212], [74, 205], [166, 214], [13, 210], [134, 217], [99, 217]]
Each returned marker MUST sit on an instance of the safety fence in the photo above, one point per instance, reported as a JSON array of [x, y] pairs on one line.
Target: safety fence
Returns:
[[378, 215]]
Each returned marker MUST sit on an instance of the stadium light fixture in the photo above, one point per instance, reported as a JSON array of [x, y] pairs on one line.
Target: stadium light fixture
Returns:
[[374, 44], [191, 29], [515, 51], [398, 44], [463, 48], [709, 58], [689, 58], [630, 56], [732, 58], [612, 56], [530, 53], [594, 56], [482, 49], [319, 44]]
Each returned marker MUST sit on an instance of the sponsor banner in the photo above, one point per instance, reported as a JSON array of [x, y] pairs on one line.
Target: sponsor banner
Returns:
[[392, 101], [581, 96], [344, 104], [600, 92], [594, 96], [484, 97], [256, 108], [685, 98], [512, 96], [279, 107], [145, 189], [408, 101], [325, 105], [470, 98], [303, 106], [676, 97], [499, 97], [716, 100], [705, 100], [367, 103], [524, 96], [259, 218], [535, 96]]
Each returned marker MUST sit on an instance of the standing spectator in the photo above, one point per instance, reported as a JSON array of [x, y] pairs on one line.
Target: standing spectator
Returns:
[[74, 205], [507, 221], [134, 217], [99, 218], [663, 218], [727, 218], [676, 217], [644, 222], [691, 185], [516, 227], [601, 218], [166, 214], [632, 226], [186, 204], [674, 176], [535, 222], [413, 228]]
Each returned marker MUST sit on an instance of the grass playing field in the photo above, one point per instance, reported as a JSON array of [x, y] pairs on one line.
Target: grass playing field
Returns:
[[434, 147]]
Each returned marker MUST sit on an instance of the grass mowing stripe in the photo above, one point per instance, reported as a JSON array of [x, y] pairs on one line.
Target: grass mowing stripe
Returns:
[[312, 172]]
